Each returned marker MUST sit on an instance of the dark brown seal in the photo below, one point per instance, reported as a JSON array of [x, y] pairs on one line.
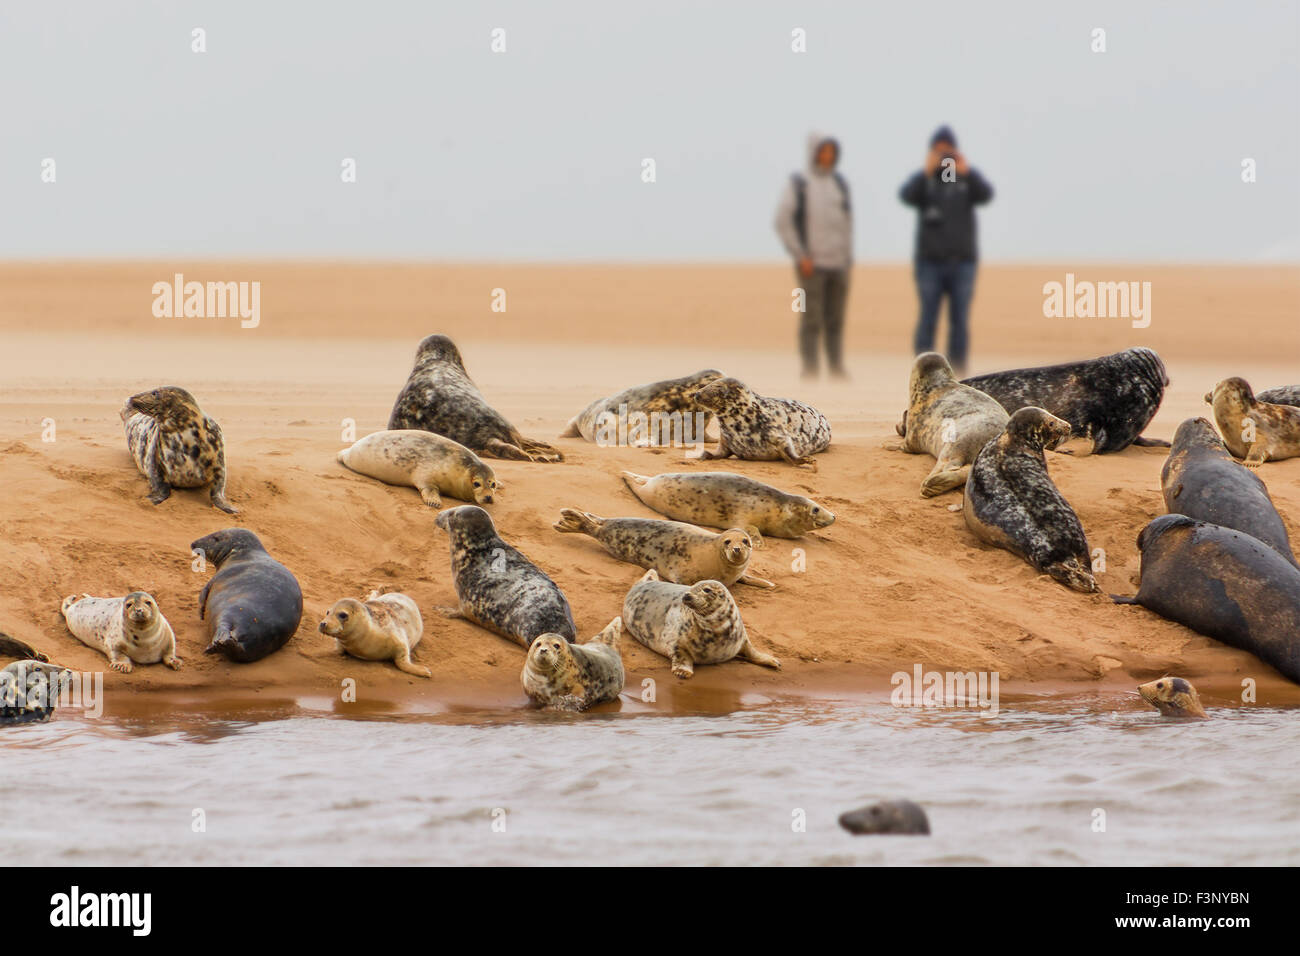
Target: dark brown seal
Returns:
[[253, 603], [175, 445], [889, 817], [757, 428]]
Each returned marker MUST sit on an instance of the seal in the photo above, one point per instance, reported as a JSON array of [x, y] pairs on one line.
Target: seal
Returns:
[[692, 625], [1282, 395], [948, 420], [1203, 481], [1224, 584], [681, 553], [1108, 401], [386, 627], [29, 691], [756, 428], [1253, 430], [559, 675], [175, 445], [126, 629], [253, 603], [721, 499], [440, 397], [890, 816], [432, 464], [497, 586], [12, 647], [1012, 503], [1173, 697], [670, 397]]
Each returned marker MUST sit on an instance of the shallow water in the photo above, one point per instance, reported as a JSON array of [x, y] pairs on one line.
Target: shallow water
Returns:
[[607, 789]]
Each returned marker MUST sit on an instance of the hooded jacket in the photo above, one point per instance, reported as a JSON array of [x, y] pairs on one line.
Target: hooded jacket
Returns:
[[827, 234]]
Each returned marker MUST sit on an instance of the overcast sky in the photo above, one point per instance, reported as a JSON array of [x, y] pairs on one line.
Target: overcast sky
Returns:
[[536, 153]]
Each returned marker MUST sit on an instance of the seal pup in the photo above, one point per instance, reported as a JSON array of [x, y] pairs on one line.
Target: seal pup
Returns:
[[1223, 584], [560, 675], [1202, 480], [721, 499], [1282, 395], [948, 420], [125, 629], [681, 553], [253, 603], [12, 647], [383, 627], [432, 464], [1012, 503], [756, 428], [29, 691], [1173, 697], [692, 625], [497, 586], [1108, 401], [672, 396], [175, 445], [1253, 430], [890, 816], [440, 397]]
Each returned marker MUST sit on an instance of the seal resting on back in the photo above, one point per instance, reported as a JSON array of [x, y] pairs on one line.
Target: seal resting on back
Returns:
[[1173, 697], [432, 464], [175, 445], [497, 586], [756, 428], [1203, 481], [1223, 584], [1254, 430], [948, 420], [253, 603], [559, 675], [1011, 501], [672, 396], [1107, 401], [439, 397]]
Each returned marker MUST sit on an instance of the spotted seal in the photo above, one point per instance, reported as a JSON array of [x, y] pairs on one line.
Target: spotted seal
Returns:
[[29, 691], [1011, 501], [497, 586], [175, 445], [560, 675], [1202, 480], [1224, 584], [1173, 697], [721, 499], [670, 397], [681, 553], [756, 428], [383, 627], [125, 629], [692, 625], [440, 397], [889, 817], [1282, 395], [253, 604], [1253, 430], [948, 420], [1108, 401], [430, 463]]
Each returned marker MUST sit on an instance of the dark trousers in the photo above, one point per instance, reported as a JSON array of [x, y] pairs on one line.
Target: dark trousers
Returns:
[[934, 280], [826, 294]]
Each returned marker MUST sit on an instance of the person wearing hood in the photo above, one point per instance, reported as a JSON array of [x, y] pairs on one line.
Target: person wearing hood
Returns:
[[815, 222], [945, 193]]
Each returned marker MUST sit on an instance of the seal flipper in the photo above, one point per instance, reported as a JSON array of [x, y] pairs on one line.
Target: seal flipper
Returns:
[[1121, 599], [572, 430], [578, 522], [12, 647], [222, 641], [1142, 442], [611, 634]]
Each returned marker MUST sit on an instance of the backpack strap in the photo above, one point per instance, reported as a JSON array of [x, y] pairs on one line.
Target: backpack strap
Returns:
[[800, 208]]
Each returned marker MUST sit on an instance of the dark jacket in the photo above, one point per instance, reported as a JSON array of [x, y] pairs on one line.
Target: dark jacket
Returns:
[[945, 220]]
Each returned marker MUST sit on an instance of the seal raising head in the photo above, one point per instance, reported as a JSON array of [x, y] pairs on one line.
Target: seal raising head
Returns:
[[1173, 697], [175, 445]]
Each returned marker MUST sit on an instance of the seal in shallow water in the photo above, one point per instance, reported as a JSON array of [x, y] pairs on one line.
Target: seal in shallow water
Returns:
[[1011, 501], [1107, 401], [175, 445], [29, 691], [1253, 430], [439, 397], [672, 396], [1173, 697], [562, 676], [126, 629], [890, 816], [757, 428], [253, 603], [432, 464], [1224, 584], [385, 627]]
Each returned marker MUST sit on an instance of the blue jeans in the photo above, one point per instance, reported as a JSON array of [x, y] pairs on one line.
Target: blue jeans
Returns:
[[934, 279]]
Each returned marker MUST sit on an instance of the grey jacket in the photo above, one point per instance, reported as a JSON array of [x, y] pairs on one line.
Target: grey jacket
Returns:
[[828, 218]]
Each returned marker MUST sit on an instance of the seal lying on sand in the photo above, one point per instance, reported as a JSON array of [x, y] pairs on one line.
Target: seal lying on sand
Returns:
[[681, 553], [669, 397], [756, 428], [175, 445], [1107, 400], [1173, 697], [253, 603], [1203, 481], [498, 587], [891, 816], [124, 629], [21, 650], [1223, 584], [432, 464], [29, 691], [386, 627], [1254, 430], [439, 397], [720, 499], [1011, 501], [948, 420], [1282, 395], [564, 676]]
